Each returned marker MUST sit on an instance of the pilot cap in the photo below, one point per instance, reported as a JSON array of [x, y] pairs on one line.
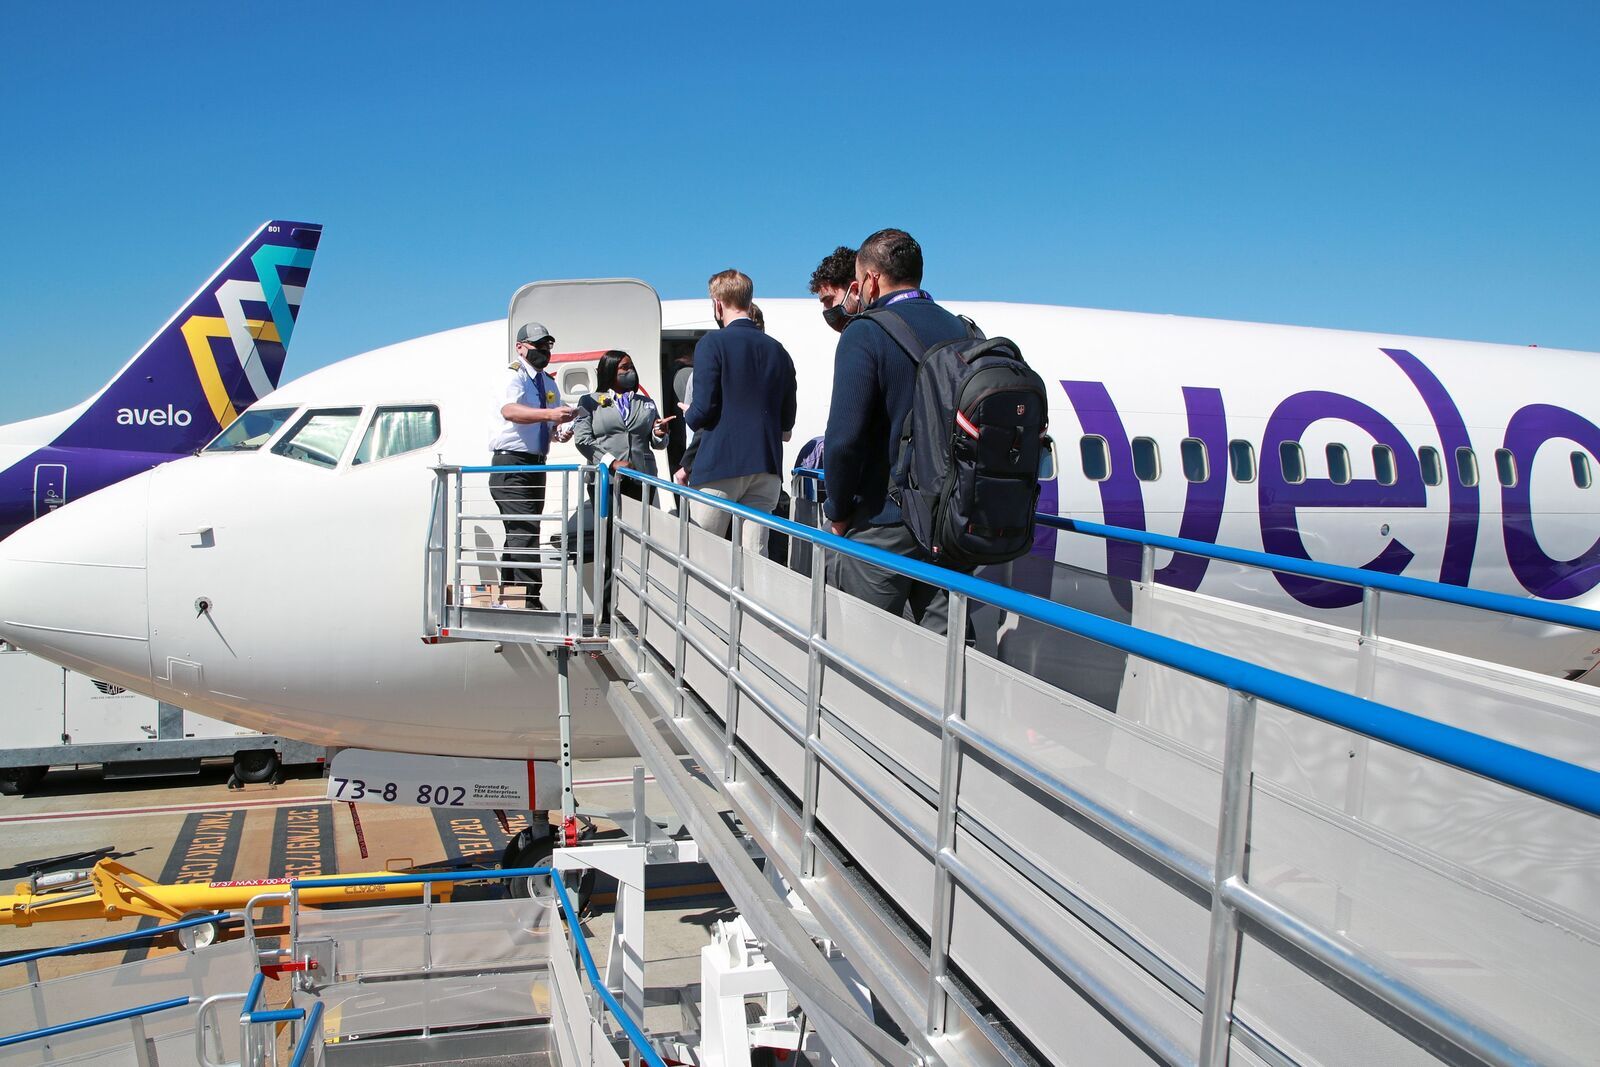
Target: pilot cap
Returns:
[[532, 333]]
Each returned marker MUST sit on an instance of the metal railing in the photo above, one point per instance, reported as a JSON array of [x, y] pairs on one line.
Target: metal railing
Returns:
[[456, 511], [136, 1015], [1225, 882], [253, 1020], [1373, 582]]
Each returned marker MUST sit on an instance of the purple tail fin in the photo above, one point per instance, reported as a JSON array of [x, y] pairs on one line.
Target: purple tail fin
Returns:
[[220, 353]]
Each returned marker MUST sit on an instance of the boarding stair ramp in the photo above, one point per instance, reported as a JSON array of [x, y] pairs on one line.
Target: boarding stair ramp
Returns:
[[1308, 845]]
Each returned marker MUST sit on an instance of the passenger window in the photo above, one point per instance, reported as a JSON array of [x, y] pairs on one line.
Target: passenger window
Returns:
[[1146, 459], [1242, 458], [1338, 464], [1293, 460], [1096, 458], [1432, 468], [1383, 464], [1196, 464], [1466, 467], [1505, 465], [397, 430], [1581, 475], [250, 431], [320, 437]]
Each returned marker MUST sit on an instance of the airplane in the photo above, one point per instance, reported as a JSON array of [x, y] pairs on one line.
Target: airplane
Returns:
[[218, 354], [274, 580]]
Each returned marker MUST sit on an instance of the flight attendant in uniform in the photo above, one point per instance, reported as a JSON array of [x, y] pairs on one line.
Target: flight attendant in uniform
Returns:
[[533, 415]]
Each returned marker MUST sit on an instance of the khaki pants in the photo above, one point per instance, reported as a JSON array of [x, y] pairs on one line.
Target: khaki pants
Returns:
[[759, 492]]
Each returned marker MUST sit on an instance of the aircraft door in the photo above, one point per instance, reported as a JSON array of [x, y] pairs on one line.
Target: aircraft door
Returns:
[[49, 487], [588, 317]]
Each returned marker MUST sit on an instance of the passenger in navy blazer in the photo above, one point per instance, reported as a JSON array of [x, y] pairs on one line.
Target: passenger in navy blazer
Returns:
[[743, 410]]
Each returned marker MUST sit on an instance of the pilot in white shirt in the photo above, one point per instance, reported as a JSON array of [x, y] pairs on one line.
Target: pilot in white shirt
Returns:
[[530, 405]]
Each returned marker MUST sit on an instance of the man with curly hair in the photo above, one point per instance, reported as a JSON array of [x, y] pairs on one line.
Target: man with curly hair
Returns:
[[832, 283]]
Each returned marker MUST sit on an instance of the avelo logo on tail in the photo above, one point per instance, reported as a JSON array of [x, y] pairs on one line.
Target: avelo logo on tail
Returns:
[[219, 353], [169, 416]]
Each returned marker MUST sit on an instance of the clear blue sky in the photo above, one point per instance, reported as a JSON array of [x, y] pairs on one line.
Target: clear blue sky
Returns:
[[1420, 168]]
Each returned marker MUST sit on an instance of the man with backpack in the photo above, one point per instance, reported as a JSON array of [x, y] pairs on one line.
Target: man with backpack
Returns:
[[934, 437], [872, 386]]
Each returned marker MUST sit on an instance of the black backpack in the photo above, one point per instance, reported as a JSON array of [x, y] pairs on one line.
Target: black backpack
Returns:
[[967, 476]]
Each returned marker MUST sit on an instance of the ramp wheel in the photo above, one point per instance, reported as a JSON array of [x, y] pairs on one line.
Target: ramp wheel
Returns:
[[530, 849], [202, 935], [255, 766], [15, 781]]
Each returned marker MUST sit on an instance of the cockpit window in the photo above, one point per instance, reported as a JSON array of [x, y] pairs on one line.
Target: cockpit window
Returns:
[[397, 430], [320, 437], [251, 430]]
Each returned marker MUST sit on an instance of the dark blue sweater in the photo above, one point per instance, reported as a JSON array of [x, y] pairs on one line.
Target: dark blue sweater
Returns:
[[872, 384], [744, 402]]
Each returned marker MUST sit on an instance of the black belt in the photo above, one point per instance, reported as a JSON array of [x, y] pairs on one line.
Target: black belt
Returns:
[[534, 457]]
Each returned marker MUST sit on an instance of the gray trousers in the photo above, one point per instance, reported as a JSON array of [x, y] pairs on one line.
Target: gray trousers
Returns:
[[895, 593]]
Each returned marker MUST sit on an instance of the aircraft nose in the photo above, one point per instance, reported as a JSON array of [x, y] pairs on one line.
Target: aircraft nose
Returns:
[[72, 585]]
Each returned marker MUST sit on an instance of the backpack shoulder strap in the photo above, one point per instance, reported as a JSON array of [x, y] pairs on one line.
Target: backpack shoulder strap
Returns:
[[899, 330]]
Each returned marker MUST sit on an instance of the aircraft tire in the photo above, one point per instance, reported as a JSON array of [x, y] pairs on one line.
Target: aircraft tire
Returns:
[[256, 765], [14, 781]]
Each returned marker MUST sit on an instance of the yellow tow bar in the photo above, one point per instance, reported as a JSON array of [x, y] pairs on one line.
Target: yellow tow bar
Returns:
[[112, 891]]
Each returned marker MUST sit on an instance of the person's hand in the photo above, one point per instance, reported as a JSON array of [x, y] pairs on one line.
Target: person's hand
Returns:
[[682, 406], [619, 463], [563, 414], [681, 476], [837, 528], [562, 433]]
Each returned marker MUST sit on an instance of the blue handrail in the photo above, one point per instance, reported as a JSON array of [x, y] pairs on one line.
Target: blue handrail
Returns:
[[249, 1015], [568, 914], [553, 467], [302, 1048], [1481, 599], [1532, 772], [647, 1051], [96, 1020], [115, 939]]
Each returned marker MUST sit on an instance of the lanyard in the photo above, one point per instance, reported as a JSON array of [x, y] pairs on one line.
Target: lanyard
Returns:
[[909, 294]]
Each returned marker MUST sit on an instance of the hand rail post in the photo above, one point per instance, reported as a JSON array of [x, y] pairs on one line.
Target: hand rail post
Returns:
[[454, 547], [1355, 782], [566, 546], [606, 492], [1233, 836], [680, 685], [955, 683], [730, 711], [141, 1043], [579, 557], [644, 581], [816, 632], [36, 994], [433, 568]]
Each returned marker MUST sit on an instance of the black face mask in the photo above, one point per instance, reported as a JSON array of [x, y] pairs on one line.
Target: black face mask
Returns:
[[836, 317], [627, 381], [538, 358]]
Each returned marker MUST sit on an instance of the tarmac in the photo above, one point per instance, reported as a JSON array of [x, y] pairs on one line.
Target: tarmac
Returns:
[[194, 829]]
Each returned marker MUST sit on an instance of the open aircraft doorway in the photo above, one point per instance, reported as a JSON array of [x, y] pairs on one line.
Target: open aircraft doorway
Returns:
[[587, 318]]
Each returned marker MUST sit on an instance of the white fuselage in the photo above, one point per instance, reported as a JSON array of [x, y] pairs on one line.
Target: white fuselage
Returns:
[[314, 576]]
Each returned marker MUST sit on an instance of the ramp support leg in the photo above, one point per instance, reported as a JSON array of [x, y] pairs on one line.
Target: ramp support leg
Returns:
[[569, 806]]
